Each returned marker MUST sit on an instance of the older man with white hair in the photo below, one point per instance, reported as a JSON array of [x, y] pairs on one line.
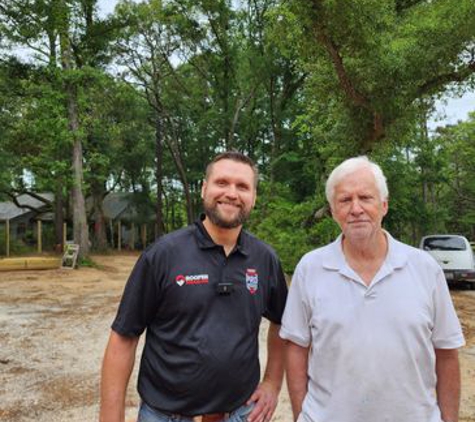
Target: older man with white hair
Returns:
[[371, 331]]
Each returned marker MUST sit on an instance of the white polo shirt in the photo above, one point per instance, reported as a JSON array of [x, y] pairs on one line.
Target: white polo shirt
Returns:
[[372, 353]]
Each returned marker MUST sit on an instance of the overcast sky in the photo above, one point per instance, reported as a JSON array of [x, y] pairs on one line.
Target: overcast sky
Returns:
[[452, 110], [107, 6]]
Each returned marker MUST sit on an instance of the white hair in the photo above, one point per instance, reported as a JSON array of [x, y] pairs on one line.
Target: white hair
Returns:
[[351, 165]]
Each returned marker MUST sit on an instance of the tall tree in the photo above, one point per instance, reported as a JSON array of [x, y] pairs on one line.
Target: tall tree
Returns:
[[145, 49], [371, 61], [80, 226], [118, 141], [66, 38], [458, 146]]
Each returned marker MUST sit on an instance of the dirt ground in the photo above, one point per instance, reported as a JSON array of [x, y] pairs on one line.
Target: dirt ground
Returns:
[[54, 326]]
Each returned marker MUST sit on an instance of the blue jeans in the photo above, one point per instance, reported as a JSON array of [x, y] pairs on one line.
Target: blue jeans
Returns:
[[147, 414]]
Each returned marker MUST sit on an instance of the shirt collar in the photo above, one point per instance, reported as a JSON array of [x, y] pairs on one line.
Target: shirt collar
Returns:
[[397, 253], [334, 258], [206, 242]]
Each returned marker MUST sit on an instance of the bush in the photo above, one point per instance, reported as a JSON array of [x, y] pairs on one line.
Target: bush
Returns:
[[17, 246], [285, 226]]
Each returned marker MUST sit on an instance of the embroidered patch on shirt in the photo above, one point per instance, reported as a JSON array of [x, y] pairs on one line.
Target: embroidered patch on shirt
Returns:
[[252, 280]]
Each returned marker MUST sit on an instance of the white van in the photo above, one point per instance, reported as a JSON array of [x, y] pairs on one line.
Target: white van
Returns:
[[455, 256]]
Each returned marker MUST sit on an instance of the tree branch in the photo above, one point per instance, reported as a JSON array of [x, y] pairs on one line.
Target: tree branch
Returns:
[[445, 79], [240, 104], [353, 95]]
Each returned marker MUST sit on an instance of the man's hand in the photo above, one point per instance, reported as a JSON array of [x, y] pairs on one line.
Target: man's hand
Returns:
[[265, 399]]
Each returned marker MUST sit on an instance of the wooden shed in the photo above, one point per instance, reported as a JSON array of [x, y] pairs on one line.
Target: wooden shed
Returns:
[[25, 215]]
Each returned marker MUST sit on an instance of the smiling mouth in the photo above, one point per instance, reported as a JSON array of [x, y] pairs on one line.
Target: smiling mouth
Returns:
[[229, 204]]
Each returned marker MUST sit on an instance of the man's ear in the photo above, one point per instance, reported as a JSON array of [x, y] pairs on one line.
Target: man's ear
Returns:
[[203, 188], [385, 207]]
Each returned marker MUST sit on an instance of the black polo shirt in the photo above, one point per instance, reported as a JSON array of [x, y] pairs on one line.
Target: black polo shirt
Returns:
[[201, 349]]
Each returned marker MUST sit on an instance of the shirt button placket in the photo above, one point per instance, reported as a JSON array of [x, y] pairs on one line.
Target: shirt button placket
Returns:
[[370, 294]]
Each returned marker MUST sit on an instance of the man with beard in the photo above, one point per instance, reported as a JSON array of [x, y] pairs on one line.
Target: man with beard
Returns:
[[200, 293]]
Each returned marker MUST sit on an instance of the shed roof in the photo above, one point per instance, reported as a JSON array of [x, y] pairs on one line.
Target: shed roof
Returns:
[[115, 204], [9, 210], [121, 205]]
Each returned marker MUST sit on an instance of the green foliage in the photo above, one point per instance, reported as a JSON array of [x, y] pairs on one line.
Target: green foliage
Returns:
[[370, 62], [87, 262], [458, 147], [289, 227], [17, 246], [299, 86]]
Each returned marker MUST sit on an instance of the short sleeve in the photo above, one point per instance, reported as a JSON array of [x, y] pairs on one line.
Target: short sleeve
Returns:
[[278, 293], [296, 319], [139, 302], [447, 332]]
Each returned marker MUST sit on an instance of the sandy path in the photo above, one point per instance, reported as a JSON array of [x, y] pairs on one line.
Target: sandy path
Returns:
[[54, 326]]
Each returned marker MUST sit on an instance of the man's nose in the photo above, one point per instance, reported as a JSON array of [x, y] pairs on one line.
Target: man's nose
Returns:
[[231, 191], [356, 207]]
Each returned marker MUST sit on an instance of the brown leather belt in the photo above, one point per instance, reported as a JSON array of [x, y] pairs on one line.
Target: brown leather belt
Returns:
[[212, 417]]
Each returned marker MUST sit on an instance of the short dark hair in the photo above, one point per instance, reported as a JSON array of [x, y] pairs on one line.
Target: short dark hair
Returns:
[[233, 156]]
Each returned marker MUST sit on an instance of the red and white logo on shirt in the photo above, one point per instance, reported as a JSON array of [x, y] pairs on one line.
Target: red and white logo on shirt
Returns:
[[252, 280], [191, 279]]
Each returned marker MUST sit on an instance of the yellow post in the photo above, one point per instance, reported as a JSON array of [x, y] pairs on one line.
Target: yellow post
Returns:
[[119, 236], [39, 236], [7, 237], [65, 235]]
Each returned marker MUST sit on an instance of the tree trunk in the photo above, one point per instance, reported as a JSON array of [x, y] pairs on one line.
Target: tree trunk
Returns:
[[159, 174], [190, 215], [100, 236], [80, 228], [177, 158]]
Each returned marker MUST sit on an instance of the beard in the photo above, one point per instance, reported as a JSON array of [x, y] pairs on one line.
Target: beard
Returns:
[[216, 217]]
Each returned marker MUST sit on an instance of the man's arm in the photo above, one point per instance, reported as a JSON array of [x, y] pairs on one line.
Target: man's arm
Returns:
[[267, 393], [448, 383], [117, 366], [296, 367]]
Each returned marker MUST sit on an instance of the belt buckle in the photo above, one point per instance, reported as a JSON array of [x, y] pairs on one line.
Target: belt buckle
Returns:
[[213, 417]]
